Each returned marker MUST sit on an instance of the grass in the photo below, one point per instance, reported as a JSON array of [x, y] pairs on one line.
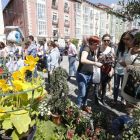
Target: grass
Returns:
[[45, 129]]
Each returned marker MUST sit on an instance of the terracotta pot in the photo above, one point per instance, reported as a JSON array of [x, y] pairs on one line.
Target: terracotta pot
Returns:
[[57, 119]]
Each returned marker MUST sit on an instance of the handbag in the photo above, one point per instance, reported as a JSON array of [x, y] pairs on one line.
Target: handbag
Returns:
[[96, 78], [132, 86]]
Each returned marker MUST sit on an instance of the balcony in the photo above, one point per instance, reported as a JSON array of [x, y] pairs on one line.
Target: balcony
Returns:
[[67, 35], [91, 25], [96, 26], [54, 5], [67, 23], [66, 9], [96, 17], [91, 15], [55, 22]]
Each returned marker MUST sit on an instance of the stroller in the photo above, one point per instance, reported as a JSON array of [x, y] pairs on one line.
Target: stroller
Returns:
[[41, 63]]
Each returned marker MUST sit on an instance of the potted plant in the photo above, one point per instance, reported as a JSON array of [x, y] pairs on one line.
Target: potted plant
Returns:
[[19, 101], [59, 94]]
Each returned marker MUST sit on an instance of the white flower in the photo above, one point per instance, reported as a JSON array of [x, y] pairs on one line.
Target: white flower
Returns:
[[49, 113], [71, 103], [41, 113]]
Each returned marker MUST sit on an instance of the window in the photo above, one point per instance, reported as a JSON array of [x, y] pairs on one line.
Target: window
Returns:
[[86, 10], [107, 26], [66, 19], [66, 31], [97, 15], [78, 20], [42, 27], [96, 32], [54, 2], [86, 30], [107, 16], [55, 30], [54, 16], [91, 12], [66, 5], [41, 11], [77, 31], [86, 19]]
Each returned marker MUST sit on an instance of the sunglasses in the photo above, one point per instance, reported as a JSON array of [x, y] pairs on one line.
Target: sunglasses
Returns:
[[67, 42], [84, 40], [106, 40], [49, 45]]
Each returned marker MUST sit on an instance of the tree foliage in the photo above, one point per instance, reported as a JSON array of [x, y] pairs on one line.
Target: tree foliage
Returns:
[[131, 10]]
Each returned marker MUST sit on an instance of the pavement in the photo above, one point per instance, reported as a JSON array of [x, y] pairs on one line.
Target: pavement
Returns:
[[73, 93]]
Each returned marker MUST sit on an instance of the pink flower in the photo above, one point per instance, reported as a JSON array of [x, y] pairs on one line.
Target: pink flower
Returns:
[[96, 130], [77, 121], [93, 137], [70, 135]]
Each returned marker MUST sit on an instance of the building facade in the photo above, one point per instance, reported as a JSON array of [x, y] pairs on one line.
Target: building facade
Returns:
[[50, 19], [2, 35]]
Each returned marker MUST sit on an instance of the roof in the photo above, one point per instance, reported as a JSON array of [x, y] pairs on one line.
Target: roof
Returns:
[[93, 5], [103, 6]]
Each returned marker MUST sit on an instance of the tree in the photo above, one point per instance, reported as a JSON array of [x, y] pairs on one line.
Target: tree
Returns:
[[131, 10], [75, 42]]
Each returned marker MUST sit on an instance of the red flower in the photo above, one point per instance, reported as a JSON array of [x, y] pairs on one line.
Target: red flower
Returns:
[[1, 71], [77, 121], [93, 137], [88, 131], [70, 135], [40, 98], [68, 110], [47, 92]]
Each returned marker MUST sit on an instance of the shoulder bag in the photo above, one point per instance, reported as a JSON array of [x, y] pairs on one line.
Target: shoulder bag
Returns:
[[132, 87]]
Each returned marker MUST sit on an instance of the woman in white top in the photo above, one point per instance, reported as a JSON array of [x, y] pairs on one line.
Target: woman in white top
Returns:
[[3, 53], [134, 44]]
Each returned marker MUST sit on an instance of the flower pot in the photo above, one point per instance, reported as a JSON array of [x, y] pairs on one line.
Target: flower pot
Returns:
[[57, 119], [29, 135]]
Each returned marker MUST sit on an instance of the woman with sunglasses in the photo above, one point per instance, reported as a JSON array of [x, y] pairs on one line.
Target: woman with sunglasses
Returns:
[[121, 53], [107, 70], [133, 42], [85, 71]]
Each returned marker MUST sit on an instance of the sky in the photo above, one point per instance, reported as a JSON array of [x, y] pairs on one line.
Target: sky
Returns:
[[105, 2]]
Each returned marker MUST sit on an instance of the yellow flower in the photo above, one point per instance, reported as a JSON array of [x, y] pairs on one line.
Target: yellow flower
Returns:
[[2, 98], [23, 70], [5, 88], [2, 82], [30, 60], [2, 114], [17, 75], [44, 70], [18, 85]]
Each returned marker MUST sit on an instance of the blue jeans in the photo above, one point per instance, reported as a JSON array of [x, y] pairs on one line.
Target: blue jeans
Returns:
[[117, 79], [84, 83], [45, 60], [72, 66]]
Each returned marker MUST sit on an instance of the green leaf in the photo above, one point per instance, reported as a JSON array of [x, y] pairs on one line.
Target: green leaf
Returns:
[[23, 96], [7, 124], [21, 122], [16, 135], [32, 123]]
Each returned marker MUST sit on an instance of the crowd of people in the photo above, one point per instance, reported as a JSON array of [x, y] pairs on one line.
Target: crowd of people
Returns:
[[93, 54]]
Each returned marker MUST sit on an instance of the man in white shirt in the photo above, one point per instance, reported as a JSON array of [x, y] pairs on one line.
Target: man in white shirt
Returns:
[[45, 49]]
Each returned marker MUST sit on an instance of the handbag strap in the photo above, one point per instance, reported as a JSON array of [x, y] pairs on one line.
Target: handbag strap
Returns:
[[135, 58]]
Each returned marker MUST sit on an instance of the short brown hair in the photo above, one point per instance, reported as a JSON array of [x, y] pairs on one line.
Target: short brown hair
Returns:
[[106, 35], [2, 45], [52, 43]]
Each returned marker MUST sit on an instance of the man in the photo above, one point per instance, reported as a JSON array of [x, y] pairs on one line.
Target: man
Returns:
[[45, 49], [85, 43], [32, 49], [61, 52], [72, 52]]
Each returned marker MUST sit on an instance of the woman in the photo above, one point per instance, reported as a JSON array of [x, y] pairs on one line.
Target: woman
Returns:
[[107, 71], [85, 71], [133, 41], [26, 48], [52, 60], [121, 53], [40, 50], [3, 53]]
